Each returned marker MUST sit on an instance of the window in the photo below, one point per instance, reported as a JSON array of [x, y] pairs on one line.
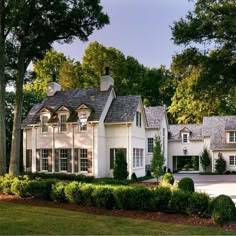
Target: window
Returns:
[[185, 138], [137, 157], [83, 160], [232, 160], [44, 159], [150, 144], [63, 127], [82, 127], [138, 119], [63, 159], [44, 124], [113, 153], [83, 117], [232, 137]]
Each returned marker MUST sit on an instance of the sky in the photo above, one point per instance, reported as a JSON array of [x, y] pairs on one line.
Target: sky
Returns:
[[138, 28]]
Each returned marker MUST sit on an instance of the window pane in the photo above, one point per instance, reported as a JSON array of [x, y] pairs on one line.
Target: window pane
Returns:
[[83, 160], [150, 144], [185, 138], [63, 127], [44, 159], [63, 159], [232, 160], [44, 124], [232, 136]]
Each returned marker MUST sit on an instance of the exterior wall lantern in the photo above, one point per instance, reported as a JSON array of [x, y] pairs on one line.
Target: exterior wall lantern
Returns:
[[185, 150]]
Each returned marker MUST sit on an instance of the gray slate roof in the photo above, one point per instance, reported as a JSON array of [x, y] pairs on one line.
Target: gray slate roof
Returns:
[[195, 131], [154, 116], [122, 109], [92, 97], [215, 127]]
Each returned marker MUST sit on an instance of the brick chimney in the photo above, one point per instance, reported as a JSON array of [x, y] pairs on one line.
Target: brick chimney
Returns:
[[106, 80]]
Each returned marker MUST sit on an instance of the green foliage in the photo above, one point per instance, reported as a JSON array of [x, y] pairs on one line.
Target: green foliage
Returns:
[[168, 178], [158, 160], [20, 187], [58, 192], [179, 201], [103, 197], [120, 171], [162, 196], [222, 209], [186, 184], [198, 204], [220, 165], [134, 177], [205, 158], [73, 192]]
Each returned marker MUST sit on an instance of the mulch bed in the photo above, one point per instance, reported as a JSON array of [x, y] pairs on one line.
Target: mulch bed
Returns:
[[143, 215]]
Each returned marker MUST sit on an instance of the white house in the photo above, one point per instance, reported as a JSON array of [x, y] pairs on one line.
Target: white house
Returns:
[[186, 143], [80, 131]]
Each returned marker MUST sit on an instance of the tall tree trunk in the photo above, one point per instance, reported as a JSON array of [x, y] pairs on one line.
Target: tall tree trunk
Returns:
[[2, 92], [14, 168]]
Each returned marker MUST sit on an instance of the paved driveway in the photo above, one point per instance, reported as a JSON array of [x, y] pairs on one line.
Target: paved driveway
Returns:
[[214, 185]]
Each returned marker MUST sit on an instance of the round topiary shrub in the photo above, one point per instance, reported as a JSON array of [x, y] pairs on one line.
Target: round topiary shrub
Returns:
[[168, 178], [222, 209], [186, 184], [134, 177]]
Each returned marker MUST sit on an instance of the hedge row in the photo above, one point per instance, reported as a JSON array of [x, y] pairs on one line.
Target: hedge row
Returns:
[[120, 197]]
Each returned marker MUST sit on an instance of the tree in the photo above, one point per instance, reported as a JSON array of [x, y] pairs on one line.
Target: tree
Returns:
[[220, 164], [36, 26], [158, 160], [213, 25], [120, 171], [205, 158]]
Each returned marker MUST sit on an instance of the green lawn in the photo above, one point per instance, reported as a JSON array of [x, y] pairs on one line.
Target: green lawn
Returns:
[[22, 219]]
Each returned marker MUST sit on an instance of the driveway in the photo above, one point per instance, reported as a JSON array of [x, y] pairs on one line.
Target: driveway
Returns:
[[214, 185]]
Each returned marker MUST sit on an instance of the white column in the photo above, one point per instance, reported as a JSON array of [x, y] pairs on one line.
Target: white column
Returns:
[[53, 149], [34, 147], [24, 148], [73, 149]]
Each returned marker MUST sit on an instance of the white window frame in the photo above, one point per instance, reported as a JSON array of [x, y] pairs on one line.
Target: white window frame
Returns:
[[64, 130], [185, 140], [138, 119], [44, 154], [83, 160], [232, 160], [233, 137], [150, 145], [63, 155], [44, 127], [138, 158]]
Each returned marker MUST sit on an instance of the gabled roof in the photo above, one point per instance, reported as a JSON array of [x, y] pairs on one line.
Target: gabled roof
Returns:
[[216, 128], [92, 97], [194, 129], [154, 116], [123, 109]]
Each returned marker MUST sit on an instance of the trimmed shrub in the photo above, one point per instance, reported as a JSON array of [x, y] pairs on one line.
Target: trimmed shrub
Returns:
[[179, 201], [198, 204], [148, 173], [168, 178], [186, 184], [103, 197], [20, 187], [58, 192], [73, 192], [220, 164], [162, 196], [41, 189], [87, 194], [6, 186], [134, 177], [222, 209]]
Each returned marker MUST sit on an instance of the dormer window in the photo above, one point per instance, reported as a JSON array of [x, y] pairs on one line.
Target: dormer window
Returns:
[[83, 114], [44, 127], [185, 138], [63, 127], [232, 137], [138, 119]]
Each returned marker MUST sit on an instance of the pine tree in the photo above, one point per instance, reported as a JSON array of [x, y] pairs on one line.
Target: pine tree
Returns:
[[158, 160], [205, 159], [120, 169]]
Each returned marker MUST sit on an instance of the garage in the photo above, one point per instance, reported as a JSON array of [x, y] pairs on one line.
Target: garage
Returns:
[[185, 163]]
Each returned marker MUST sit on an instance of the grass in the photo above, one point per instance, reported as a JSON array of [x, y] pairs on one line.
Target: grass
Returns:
[[24, 220]]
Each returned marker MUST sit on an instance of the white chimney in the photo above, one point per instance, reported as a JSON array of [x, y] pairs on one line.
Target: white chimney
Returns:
[[106, 81], [53, 87]]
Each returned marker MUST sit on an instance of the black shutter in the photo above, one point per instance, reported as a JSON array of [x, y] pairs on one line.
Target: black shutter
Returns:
[[112, 158]]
